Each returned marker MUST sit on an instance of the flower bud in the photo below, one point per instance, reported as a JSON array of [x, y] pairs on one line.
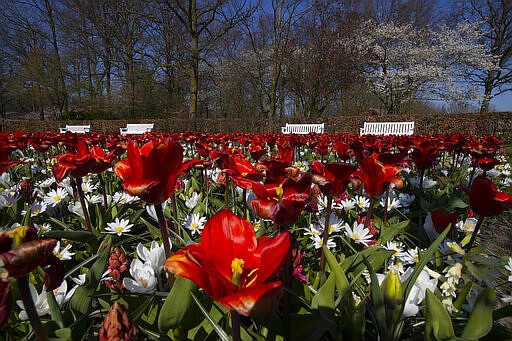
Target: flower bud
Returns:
[[392, 290], [117, 325]]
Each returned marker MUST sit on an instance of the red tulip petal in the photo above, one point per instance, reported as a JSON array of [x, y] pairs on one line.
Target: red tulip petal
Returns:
[[184, 263], [233, 235], [273, 253], [255, 300]]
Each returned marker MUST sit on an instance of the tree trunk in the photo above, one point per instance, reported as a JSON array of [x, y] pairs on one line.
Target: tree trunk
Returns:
[[62, 95], [488, 87], [194, 62]]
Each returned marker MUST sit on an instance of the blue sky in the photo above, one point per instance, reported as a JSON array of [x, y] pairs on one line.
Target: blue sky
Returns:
[[503, 102]]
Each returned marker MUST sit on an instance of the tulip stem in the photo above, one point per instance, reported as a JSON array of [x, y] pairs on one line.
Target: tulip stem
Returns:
[[326, 231], [235, 325], [175, 214], [226, 193], [30, 308], [475, 232], [369, 213], [163, 229], [386, 199], [103, 190], [78, 187], [165, 237]]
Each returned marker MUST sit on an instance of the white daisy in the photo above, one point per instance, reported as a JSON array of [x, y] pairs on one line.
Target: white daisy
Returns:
[[362, 202], [317, 242], [43, 227], [195, 223], [314, 230], [392, 203], [55, 197], [119, 226], [88, 187], [35, 208], [123, 198], [358, 234], [9, 199], [335, 223], [63, 254], [348, 204]]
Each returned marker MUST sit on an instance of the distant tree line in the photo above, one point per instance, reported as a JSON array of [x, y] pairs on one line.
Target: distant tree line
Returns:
[[251, 58]]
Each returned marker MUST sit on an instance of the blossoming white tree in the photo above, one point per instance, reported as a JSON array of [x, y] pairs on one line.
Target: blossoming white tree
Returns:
[[408, 63]]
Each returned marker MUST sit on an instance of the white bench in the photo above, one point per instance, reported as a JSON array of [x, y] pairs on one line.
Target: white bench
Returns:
[[302, 128], [387, 128], [76, 129], [136, 128]]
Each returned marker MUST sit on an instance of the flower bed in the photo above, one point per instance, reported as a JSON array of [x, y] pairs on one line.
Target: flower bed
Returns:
[[251, 236]]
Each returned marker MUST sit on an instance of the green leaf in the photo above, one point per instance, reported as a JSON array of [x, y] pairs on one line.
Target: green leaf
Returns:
[[377, 300], [176, 305], [342, 283], [220, 332], [455, 203], [425, 258], [77, 236], [389, 232], [81, 300], [481, 319], [438, 324], [26, 219], [62, 334], [462, 296], [375, 255], [309, 327], [59, 223], [323, 301], [54, 307]]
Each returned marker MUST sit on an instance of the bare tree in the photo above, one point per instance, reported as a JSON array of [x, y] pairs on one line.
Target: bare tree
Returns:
[[205, 22], [495, 17]]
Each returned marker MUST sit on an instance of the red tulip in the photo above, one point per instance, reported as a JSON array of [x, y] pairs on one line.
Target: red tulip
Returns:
[[5, 162], [333, 177], [485, 199], [150, 171], [424, 154], [77, 163], [233, 266], [376, 176], [5, 301], [441, 220], [282, 202], [487, 163]]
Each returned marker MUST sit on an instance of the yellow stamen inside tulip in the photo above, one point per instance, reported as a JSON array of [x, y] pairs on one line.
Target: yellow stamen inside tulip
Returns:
[[18, 234], [279, 192], [237, 268]]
